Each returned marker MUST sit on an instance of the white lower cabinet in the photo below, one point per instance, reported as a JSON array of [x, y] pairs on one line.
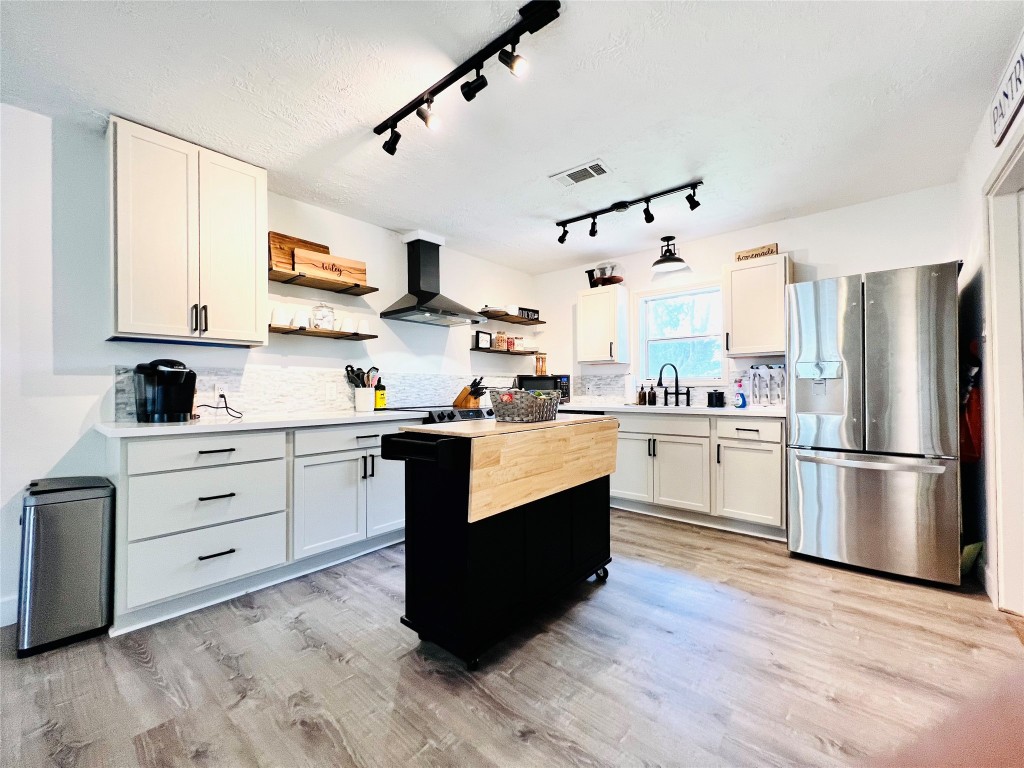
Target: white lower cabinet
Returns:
[[633, 477], [385, 495], [682, 476], [343, 497], [328, 502], [749, 481], [671, 470]]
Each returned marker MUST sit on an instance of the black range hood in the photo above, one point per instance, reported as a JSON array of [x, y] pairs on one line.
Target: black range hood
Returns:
[[424, 303]]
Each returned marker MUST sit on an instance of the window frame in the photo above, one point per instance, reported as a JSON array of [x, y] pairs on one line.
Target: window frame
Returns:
[[639, 351]]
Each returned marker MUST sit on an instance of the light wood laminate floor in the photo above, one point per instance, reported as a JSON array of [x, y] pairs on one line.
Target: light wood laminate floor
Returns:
[[703, 648]]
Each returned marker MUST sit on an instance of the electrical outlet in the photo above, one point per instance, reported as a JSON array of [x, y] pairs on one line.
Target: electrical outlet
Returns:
[[218, 392]]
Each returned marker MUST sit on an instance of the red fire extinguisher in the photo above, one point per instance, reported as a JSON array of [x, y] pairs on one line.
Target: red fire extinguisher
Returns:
[[971, 438]]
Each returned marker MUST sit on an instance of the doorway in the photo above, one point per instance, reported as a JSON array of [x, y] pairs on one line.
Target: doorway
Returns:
[[1003, 379]]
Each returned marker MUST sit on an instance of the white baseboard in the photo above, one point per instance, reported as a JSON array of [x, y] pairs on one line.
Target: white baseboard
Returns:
[[8, 610], [696, 518]]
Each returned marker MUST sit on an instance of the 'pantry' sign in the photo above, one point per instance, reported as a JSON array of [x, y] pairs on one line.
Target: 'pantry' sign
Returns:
[[1009, 96]]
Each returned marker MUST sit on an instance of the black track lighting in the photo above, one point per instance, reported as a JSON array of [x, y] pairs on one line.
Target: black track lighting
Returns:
[[392, 142], [471, 88], [516, 64], [565, 234], [648, 216], [534, 16], [625, 205], [426, 114]]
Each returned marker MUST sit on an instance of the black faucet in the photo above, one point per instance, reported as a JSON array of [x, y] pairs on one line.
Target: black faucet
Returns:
[[677, 392]]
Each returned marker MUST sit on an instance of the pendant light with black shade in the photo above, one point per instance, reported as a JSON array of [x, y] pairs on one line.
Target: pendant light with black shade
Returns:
[[669, 261]]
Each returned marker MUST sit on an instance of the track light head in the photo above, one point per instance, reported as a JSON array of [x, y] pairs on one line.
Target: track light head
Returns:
[[565, 234], [648, 216], [428, 117], [593, 227], [692, 201], [516, 64], [391, 144], [471, 88]]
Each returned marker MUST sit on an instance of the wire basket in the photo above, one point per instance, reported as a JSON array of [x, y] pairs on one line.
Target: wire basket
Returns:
[[522, 405]]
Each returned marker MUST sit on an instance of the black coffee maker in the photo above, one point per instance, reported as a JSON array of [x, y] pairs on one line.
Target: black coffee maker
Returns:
[[164, 391]]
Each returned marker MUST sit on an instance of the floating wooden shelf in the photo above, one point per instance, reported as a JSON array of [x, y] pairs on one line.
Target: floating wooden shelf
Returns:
[[290, 330], [323, 283], [505, 317], [503, 351]]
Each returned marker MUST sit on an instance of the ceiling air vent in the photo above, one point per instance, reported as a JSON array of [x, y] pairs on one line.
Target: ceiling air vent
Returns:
[[581, 173]]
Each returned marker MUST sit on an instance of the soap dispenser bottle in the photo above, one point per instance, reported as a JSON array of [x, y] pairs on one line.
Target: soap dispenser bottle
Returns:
[[739, 399], [652, 396]]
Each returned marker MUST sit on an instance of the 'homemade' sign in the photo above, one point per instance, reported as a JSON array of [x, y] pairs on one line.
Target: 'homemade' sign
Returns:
[[1009, 95], [756, 253]]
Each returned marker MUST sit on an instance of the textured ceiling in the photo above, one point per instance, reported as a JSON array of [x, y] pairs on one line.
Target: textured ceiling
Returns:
[[783, 108]]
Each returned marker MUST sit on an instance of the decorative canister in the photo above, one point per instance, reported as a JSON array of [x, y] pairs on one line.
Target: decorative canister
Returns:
[[322, 316], [500, 340]]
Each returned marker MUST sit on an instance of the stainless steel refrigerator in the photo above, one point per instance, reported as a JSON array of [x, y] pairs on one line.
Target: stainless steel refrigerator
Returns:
[[873, 445]]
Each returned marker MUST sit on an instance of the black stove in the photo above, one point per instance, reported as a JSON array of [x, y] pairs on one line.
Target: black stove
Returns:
[[442, 414]]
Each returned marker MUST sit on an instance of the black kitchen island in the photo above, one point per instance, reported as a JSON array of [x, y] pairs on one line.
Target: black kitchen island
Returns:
[[499, 519]]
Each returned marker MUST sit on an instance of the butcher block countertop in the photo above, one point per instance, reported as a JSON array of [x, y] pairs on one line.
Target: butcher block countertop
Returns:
[[490, 427]]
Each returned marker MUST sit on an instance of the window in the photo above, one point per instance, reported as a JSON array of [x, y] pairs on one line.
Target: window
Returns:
[[683, 328]]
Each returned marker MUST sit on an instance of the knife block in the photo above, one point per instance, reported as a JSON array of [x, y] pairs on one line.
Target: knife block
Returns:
[[465, 400]]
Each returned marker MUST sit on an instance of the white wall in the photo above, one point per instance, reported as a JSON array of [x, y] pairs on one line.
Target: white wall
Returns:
[[903, 230], [56, 379]]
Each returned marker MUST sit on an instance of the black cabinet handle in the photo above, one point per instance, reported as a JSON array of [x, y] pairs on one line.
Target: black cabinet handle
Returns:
[[748, 429], [218, 496], [726, 341], [610, 353], [205, 312], [373, 465], [218, 450], [649, 439], [218, 554], [718, 453], [195, 317], [654, 443], [364, 467], [365, 437]]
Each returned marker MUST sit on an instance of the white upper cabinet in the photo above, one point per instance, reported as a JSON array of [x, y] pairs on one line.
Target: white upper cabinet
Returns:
[[156, 237], [232, 237], [753, 294], [602, 325], [190, 240]]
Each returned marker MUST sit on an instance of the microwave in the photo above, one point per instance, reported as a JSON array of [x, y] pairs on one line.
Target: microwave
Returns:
[[553, 381]]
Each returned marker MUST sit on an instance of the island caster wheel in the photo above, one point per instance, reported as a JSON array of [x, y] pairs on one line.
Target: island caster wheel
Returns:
[[473, 665], [602, 574]]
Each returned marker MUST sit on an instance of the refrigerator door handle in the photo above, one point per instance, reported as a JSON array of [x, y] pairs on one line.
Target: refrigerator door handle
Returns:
[[927, 469]]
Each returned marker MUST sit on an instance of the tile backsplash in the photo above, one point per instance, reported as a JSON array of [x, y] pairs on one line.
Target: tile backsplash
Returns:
[[270, 389]]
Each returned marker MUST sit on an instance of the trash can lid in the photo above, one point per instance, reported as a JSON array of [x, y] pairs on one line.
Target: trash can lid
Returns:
[[58, 484]]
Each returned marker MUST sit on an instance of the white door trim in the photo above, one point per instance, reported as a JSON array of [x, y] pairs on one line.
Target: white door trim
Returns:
[[1003, 382]]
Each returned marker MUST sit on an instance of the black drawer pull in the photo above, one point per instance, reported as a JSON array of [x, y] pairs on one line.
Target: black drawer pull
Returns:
[[218, 496], [365, 437], [718, 453], [218, 554], [373, 465], [364, 467], [218, 450], [748, 429]]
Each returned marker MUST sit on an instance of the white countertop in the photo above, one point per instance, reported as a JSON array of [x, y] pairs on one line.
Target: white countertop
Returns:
[[751, 411], [221, 423]]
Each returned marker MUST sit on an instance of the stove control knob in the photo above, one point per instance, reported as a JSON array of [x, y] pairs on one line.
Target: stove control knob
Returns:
[[439, 416], [490, 411], [452, 415]]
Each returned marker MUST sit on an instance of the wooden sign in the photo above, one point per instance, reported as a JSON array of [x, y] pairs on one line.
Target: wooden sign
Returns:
[[318, 264], [1009, 95], [282, 246], [771, 249]]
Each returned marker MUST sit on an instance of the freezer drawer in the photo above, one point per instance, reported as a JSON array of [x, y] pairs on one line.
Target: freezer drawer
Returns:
[[894, 514]]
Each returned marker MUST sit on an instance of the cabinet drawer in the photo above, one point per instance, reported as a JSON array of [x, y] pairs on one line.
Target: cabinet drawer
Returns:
[[765, 430], [669, 424], [165, 454], [161, 568], [168, 502], [357, 436]]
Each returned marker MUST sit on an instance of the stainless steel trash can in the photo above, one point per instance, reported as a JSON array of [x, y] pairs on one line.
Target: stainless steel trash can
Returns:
[[67, 547]]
